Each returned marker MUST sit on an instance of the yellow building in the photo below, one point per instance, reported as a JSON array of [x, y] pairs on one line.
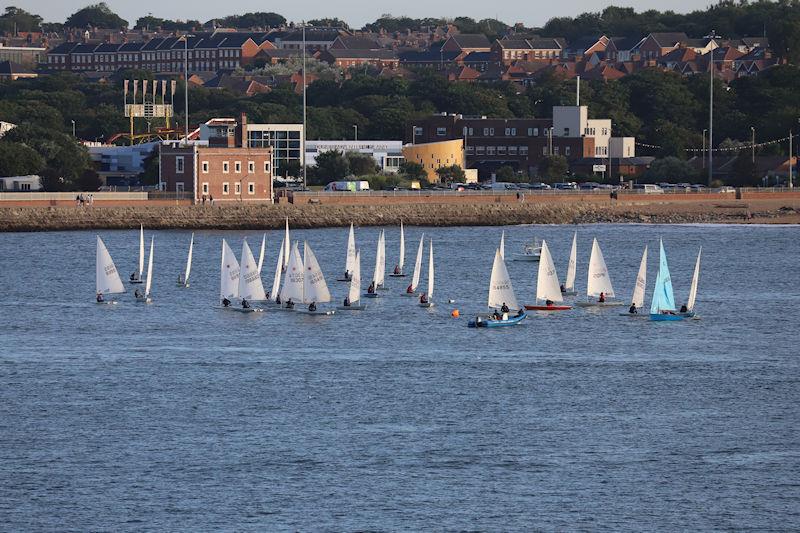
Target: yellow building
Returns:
[[435, 155]]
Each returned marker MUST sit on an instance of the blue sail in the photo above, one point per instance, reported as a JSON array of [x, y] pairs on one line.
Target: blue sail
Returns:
[[663, 298]]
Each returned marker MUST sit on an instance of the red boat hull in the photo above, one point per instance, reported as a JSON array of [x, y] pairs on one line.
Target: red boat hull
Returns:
[[548, 307]]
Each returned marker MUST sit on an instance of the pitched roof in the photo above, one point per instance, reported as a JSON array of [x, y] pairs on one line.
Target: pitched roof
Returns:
[[471, 40], [545, 44], [478, 57], [64, 48], [625, 43], [106, 48], [667, 39], [427, 56], [514, 44], [755, 42], [343, 53], [84, 49], [353, 42], [131, 47]]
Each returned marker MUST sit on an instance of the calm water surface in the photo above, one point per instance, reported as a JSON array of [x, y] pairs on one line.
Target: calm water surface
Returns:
[[180, 416]]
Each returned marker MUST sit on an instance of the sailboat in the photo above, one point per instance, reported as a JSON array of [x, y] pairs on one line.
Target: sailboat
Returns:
[[599, 290], [548, 291], [354, 296], [315, 290], [662, 308], [689, 312], [426, 300], [637, 300], [228, 276], [531, 251], [569, 283], [501, 293], [292, 289], [412, 288], [274, 294], [350, 257], [379, 272], [287, 244], [145, 298], [250, 287], [107, 280], [183, 281], [398, 269], [261, 253], [136, 277]]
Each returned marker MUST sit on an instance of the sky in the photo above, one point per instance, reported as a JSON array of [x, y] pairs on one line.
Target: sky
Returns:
[[355, 13]]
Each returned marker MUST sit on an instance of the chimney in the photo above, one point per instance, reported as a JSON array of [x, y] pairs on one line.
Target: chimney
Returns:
[[243, 130]]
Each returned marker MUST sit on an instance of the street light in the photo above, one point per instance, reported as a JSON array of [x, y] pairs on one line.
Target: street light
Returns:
[[73, 127], [753, 144], [413, 134], [355, 127]]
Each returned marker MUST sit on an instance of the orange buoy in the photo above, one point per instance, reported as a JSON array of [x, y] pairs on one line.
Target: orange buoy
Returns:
[[455, 313]]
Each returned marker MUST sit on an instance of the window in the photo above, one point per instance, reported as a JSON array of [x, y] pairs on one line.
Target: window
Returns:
[[179, 164], [237, 167], [470, 149], [441, 132], [567, 150], [501, 150], [251, 167], [480, 150], [238, 186], [179, 186], [566, 132], [555, 150], [417, 130], [226, 188], [513, 132], [512, 150], [485, 132], [532, 130], [491, 132], [544, 150], [523, 150], [470, 131], [266, 167], [204, 166], [508, 132], [205, 187], [490, 150], [251, 187], [225, 168]]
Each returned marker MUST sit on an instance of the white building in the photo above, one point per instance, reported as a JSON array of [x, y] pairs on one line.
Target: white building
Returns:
[[388, 155], [21, 183], [574, 121], [622, 147]]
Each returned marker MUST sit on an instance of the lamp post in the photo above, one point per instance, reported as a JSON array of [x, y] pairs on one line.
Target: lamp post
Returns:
[[73, 127], [413, 135], [355, 136], [703, 155], [753, 144]]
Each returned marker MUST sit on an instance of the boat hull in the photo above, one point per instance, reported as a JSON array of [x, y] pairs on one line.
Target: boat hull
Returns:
[[612, 303], [635, 315], [247, 310], [426, 305], [493, 323], [135, 282], [318, 312], [146, 300], [351, 307], [665, 318], [370, 295], [397, 275], [526, 258], [548, 307]]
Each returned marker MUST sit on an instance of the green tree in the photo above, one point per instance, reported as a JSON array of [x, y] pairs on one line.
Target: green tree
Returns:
[[451, 174], [554, 167], [744, 171], [413, 170], [17, 159], [330, 166], [361, 164], [258, 19], [96, 15], [670, 170], [18, 19]]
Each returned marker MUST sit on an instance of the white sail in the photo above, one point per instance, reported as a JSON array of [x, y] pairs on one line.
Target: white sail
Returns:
[[149, 282], [229, 273], [569, 284], [107, 279], [402, 259], [189, 261], [261, 253], [276, 281], [351, 251], [377, 274], [250, 285], [293, 279], [314, 287], [381, 271], [598, 278], [141, 250], [503, 246], [286, 246], [417, 265], [641, 282], [500, 289], [429, 292], [355, 281], [695, 278], [547, 287]]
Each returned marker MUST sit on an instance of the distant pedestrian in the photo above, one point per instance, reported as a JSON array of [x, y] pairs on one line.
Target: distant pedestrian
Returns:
[[91, 199], [211, 200], [77, 200]]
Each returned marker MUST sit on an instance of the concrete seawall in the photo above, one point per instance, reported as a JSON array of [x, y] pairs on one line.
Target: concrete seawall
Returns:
[[310, 216]]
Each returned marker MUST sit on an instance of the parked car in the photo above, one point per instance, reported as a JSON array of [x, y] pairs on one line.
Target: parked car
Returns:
[[588, 186], [566, 186], [648, 188], [699, 188], [540, 186], [725, 188]]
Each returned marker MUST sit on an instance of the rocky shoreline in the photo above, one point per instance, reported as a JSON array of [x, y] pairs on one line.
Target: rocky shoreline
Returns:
[[308, 216]]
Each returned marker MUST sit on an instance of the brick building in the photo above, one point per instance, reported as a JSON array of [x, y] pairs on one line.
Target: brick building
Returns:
[[223, 168]]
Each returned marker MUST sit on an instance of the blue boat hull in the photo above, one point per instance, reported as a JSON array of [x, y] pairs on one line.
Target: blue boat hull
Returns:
[[492, 323], [665, 318]]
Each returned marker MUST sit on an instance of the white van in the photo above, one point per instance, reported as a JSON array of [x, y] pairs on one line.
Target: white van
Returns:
[[648, 188]]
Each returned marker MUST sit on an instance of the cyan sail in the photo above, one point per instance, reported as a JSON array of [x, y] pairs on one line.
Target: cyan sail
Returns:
[[663, 298]]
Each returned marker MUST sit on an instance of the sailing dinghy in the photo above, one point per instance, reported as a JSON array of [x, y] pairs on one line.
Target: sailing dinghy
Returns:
[[531, 252], [426, 300], [352, 302], [398, 268], [379, 272], [183, 281], [261, 253], [501, 293], [274, 294], [351, 256], [315, 290], [292, 289], [107, 280], [250, 287], [637, 300], [548, 292], [662, 308], [412, 288], [145, 298], [599, 290], [689, 312], [569, 283], [136, 277], [228, 276]]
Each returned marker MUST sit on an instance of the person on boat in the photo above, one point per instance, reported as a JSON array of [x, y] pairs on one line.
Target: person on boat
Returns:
[[226, 302], [504, 308], [100, 297], [245, 304], [684, 309], [135, 276], [347, 301], [563, 289], [549, 303], [520, 312], [410, 289], [278, 299], [632, 309], [397, 271], [496, 315], [180, 279], [602, 298], [423, 298], [371, 288], [289, 304], [138, 294], [312, 306], [347, 275]]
